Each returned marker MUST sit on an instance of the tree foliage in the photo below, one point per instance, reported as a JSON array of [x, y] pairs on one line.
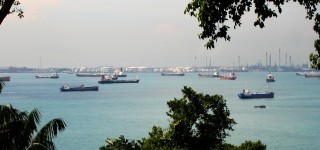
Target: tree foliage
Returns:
[[214, 14], [1, 86], [252, 145], [315, 57], [9, 7], [19, 131], [247, 145], [122, 144], [213, 17], [197, 121]]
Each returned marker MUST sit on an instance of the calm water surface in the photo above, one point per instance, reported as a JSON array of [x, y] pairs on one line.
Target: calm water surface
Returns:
[[290, 122]]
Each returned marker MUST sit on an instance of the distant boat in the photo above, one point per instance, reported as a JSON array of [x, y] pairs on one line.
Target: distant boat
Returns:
[[4, 78], [299, 74], [270, 78], [119, 73], [88, 75], [311, 75], [53, 76], [214, 75], [67, 88], [233, 70], [109, 80], [95, 75], [68, 72], [230, 76], [172, 74], [260, 106], [248, 94]]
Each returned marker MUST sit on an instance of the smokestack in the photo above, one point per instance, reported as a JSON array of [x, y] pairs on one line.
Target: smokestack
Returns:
[[279, 59], [239, 61], [270, 61], [266, 59], [290, 61], [286, 59]]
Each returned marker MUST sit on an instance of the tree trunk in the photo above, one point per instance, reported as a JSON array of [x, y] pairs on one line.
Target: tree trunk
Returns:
[[5, 9]]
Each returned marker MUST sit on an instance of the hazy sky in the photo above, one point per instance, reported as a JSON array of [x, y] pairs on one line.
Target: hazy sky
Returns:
[[150, 33]]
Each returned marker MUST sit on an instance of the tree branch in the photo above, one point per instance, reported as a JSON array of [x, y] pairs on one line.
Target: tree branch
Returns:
[[5, 9]]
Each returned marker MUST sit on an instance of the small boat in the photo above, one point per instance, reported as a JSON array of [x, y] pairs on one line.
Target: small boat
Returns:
[[299, 74], [260, 106], [68, 72], [88, 75], [119, 73], [270, 78], [172, 74], [109, 80], [53, 76], [96, 75], [67, 88], [231, 76], [214, 75], [248, 94], [311, 75], [5, 78], [118, 81]]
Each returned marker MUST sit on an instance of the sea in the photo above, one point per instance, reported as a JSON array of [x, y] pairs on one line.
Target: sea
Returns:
[[290, 121]]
